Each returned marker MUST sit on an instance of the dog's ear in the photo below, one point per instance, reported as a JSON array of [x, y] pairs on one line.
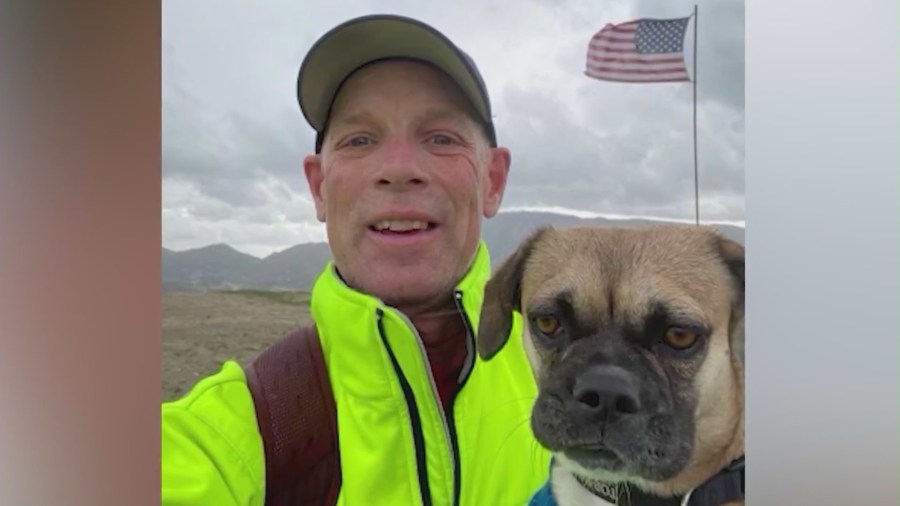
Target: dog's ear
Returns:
[[732, 254], [501, 297]]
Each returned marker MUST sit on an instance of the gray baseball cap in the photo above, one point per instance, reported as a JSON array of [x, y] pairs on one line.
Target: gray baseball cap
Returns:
[[360, 41]]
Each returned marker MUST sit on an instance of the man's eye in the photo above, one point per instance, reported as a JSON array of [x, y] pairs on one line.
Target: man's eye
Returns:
[[359, 140], [442, 140]]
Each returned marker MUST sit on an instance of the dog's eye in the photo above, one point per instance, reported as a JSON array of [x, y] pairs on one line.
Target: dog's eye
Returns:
[[548, 325], [680, 338]]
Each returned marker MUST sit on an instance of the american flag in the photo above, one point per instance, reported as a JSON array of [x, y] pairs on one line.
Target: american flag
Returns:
[[640, 51]]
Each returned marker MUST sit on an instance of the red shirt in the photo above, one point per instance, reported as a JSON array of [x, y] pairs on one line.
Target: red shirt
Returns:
[[446, 368]]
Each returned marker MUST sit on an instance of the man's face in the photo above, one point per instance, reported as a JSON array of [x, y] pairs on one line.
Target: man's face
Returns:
[[403, 180]]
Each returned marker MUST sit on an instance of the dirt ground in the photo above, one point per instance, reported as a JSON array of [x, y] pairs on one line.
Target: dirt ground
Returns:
[[200, 330]]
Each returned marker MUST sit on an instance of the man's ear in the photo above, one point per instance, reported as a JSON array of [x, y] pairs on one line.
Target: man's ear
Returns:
[[315, 177], [732, 254], [495, 183], [502, 295]]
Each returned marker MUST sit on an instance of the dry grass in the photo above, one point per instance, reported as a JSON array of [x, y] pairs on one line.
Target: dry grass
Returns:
[[200, 330]]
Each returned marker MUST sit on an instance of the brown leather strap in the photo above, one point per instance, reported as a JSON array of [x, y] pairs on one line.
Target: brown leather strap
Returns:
[[297, 419]]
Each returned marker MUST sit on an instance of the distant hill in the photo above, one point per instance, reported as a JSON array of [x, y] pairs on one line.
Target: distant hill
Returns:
[[504, 232], [221, 267], [218, 266]]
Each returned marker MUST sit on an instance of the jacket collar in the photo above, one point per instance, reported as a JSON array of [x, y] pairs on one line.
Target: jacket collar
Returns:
[[338, 309], [329, 285]]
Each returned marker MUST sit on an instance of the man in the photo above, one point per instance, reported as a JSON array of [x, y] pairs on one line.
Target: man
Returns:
[[406, 167]]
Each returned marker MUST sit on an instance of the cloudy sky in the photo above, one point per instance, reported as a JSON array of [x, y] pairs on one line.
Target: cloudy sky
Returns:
[[234, 137]]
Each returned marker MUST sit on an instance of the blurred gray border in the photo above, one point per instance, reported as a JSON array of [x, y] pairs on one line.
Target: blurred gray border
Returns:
[[822, 179]]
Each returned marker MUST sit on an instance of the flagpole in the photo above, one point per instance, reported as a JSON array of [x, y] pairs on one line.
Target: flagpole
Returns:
[[696, 178]]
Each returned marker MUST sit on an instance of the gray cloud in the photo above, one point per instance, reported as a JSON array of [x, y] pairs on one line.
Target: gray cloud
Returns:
[[620, 151]]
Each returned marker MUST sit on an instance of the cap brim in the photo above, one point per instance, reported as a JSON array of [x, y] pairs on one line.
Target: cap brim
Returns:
[[364, 40]]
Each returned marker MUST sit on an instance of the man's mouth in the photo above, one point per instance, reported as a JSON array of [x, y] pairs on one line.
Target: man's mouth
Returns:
[[402, 226]]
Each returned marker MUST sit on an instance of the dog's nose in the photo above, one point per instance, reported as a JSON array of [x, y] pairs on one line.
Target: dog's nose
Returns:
[[605, 390]]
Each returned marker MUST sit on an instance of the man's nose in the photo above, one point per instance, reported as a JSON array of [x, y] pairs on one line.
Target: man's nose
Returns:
[[401, 164]]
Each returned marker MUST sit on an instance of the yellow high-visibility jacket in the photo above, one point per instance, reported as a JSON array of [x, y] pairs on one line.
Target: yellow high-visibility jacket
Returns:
[[390, 419]]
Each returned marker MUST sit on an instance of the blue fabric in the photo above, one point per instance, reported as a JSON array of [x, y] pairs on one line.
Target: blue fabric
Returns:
[[543, 497]]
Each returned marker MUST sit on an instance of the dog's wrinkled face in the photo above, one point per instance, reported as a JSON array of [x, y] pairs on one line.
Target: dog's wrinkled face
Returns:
[[635, 338]]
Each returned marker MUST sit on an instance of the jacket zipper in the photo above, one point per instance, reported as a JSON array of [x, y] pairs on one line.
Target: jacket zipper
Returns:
[[464, 374], [449, 422], [415, 421]]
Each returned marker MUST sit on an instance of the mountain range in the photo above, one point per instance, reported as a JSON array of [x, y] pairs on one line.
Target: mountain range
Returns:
[[221, 267]]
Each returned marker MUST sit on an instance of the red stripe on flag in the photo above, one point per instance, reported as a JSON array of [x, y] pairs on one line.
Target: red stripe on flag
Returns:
[[640, 81], [612, 50], [661, 70], [676, 75], [634, 59], [613, 46], [613, 37]]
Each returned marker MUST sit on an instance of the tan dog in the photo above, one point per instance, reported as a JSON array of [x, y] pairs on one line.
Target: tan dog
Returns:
[[635, 337]]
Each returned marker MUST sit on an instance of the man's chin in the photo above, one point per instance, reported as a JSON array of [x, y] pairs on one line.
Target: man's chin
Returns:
[[399, 287], [405, 292]]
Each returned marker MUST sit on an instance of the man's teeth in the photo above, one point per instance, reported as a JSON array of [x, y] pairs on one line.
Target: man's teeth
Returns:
[[400, 225]]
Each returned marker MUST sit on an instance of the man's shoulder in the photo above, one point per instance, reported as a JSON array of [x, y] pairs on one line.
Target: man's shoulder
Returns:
[[225, 386], [212, 452]]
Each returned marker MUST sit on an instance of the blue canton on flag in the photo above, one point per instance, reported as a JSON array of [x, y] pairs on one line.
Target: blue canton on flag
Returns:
[[666, 36]]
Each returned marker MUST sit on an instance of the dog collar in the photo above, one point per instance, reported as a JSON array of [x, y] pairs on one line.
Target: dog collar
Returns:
[[727, 485]]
